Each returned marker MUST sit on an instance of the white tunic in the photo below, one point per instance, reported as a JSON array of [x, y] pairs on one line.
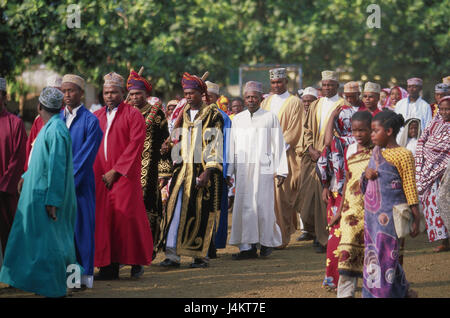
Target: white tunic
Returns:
[[109, 117], [419, 109], [277, 101], [256, 155], [327, 106]]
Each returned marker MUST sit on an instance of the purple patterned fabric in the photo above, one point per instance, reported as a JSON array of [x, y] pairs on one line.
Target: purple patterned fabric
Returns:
[[383, 275]]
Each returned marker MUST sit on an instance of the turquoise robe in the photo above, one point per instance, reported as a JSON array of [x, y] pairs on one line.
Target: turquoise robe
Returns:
[[39, 250]]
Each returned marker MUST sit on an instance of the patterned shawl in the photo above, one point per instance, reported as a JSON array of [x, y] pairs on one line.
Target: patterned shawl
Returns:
[[432, 153]]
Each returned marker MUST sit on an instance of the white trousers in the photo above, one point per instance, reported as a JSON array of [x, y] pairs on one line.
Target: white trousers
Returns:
[[346, 286]]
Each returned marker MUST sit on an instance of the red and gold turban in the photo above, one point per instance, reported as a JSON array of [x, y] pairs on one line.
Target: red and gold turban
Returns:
[[135, 81], [193, 82]]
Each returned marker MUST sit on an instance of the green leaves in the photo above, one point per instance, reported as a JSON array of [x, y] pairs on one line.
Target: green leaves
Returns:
[[170, 37]]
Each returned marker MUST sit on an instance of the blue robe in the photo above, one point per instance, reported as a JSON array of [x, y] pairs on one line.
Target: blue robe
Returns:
[[222, 230], [40, 249], [86, 138]]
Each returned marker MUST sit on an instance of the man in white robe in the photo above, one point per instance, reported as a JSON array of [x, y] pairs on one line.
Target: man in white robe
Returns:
[[414, 106], [256, 154]]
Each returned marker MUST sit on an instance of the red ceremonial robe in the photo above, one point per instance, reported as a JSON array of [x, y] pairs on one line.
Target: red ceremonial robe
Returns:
[[13, 138], [122, 230]]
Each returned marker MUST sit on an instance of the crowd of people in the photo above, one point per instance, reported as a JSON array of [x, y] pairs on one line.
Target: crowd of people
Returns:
[[134, 177]]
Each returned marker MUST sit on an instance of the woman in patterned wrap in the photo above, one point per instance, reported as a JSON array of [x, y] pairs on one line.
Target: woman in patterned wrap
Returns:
[[432, 157]]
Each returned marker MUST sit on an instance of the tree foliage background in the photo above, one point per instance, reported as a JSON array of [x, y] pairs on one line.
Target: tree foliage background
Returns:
[[172, 36]]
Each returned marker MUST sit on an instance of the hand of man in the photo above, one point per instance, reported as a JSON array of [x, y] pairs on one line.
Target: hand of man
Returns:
[[326, 194], [51, 212], [315, 155], [280, 181], [19, 185], [110, 177], [202, 180]]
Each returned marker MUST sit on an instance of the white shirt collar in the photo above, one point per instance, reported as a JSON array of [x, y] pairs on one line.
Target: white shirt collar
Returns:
[[284, 95], [335, 98], [74, 111]]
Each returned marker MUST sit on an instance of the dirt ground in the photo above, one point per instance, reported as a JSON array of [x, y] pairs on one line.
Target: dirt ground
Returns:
[[296, 272]]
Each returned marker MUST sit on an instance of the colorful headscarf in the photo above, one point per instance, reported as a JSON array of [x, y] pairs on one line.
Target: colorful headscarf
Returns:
[[135, 81], [193, 82], [387, 102], [222, 103]]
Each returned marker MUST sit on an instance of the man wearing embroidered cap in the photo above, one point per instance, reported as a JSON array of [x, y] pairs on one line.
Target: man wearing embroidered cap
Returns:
[[196, 186], [257, 154], [440, 91], [41, 243], [156, 168], [371, 97], [312, 207], [86, 136], [289, 110], [122, 230], [414, 106], [13, 138]]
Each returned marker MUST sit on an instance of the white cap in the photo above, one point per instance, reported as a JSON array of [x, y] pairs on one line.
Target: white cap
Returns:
[[308, 91], [212, 87]]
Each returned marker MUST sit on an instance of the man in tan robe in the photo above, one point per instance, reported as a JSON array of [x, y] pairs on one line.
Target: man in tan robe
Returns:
[[289, 110], [312, 207]]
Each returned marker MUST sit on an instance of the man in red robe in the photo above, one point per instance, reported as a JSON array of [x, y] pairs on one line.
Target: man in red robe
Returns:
[[12, 158], [122, 230]]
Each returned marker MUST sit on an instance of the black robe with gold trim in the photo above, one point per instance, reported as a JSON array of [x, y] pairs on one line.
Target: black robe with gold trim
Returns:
[[199, 148], [154, 165]]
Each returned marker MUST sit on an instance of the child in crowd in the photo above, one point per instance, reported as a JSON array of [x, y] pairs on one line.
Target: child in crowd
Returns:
[[351, 210], [388, 181], [410, 135]]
